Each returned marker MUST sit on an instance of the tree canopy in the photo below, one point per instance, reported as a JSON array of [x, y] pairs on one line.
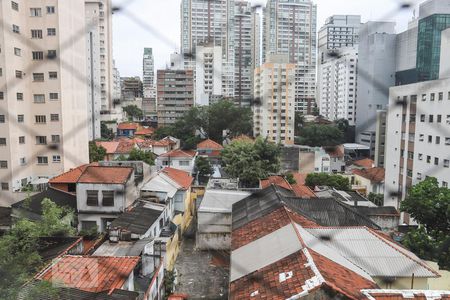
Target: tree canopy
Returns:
[[209, 122], [323, 179], [251, 161], [106, 133], [320, 136], [96, 153], [133, 112], [139, 155], [429, 205]]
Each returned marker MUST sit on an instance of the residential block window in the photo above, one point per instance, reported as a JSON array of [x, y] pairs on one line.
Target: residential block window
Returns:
[[15, 5], [2, 118], [3, 164], [21, 140], [50, 10], [39, 98], [92, 198], [54, 117], [55, 139], [35, 12], [38, 76], [2, 96], [56, 158], [184, 163], [447, 141], [1, 72], [51, 31], [420, 156], [38, 55], [41, 140], [36, 33], [432, 95], [445, 184], [51, 54], [2, 141], [108, 198], [22, 161], [436, 161], [419, 176], [19, 96], [17, 51], [428, 159], [88, 225], [438, 140], [441, 96], [430, 139], [41, 119], [15, 28], [5, 186], [53, 75], [430, 118], [439, 118], [42, 160], [54, 96], [446, 163], [19, 74], [20, 118]]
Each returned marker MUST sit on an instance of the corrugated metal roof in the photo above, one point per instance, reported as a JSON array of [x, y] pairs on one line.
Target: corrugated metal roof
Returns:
[[221, 200], [139, 219], [264, 251], [372, 253]]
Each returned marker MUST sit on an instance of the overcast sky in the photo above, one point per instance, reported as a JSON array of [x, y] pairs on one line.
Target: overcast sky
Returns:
[[157, 25]]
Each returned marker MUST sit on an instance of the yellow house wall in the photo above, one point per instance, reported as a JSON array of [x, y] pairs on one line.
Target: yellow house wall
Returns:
[[403, 283]]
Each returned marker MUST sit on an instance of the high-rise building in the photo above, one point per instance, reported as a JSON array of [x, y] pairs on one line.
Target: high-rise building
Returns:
[[117, 91], [376, 74], [131, 91], [247, 43], [339, 31], [290, 28], [148, 84], [418, 143], [99, 61], [406, 55], [337, 81], [175, 94], [43, 90], [274, 114], [208, 74]]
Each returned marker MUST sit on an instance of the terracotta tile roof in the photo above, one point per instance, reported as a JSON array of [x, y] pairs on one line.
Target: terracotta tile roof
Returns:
[[278, 180], [70, 176], [144, 131], [170, 140], [181, 177], [209, 144], [128, 126], [179, 153], [365, 163], [90, 273], [108, 175], [373, 174], [125, 147], [303, 191], [110, 147]]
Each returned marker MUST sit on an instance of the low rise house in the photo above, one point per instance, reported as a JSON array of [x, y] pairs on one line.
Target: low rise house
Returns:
[[211, 150], [387, 217], [110, 147], [102, 194], [299, 188], [337, 158], [117, 149], [178, 159], [144, 132], [160, 147], [214, 218], [127, 129], [67, 181], [372, 179], [314, 160]]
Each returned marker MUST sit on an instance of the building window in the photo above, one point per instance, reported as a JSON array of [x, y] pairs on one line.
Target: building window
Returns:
[[51, 54], [38, 77], [184, 163], [410, 155], [42, 160], [19, 74], [15, 5], [54, 117], [438, 140], [21, 140], [22, 161], [54, 96], [39, 98], [52, 75], [5, 186], [1, 72], [56, 158], [2, 141], [428, 159], [92, 198], [441, 96], [17, 51], [41, 140], [447, 141], [432, 97], [2, 96], [420, 156], [51, 31], [36, 12], [436, 161], [445, 184], [2, 118], [108, 198], [3, 164], [88, 225], [424, 97], [19, 96], [50, 10], [56, 139], [20, 118], [36, 33], [439, 118], [419, 176], [446, 163], [16, 29], [38, 55], [430, 118]]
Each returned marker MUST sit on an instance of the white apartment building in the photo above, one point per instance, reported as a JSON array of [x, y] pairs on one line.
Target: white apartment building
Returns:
[[99, 62], [274, 113], [418, 143], [117, 90], [290, 28], [208, 74], [336, 84], [148, 70], [43, 107], [376, 73]]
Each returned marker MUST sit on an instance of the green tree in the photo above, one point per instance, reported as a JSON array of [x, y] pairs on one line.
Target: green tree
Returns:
[[19, 259], [203, 166], [377, 199], [429, 205], [299, 123], [96, 153], [290, 178], [330, 180], [106, 133], [133, 112], [139, 155], [320, 136], [251, 161]]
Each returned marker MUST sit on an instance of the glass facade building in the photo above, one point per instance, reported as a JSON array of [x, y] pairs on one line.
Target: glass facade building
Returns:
[[429, 45]]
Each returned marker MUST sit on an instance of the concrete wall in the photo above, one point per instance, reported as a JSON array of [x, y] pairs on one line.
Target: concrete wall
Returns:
[[403, 283]]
